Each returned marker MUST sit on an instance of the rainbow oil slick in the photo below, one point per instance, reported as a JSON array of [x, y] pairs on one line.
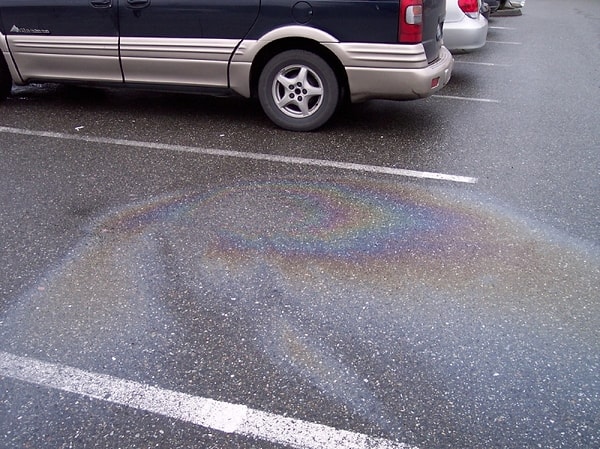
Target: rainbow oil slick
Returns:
[[374, 296]]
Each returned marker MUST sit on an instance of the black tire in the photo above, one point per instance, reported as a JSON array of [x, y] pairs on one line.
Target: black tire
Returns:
[[298, 90], [5, 79]]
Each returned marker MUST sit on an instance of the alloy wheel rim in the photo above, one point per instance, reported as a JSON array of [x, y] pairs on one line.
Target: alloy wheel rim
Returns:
[[298, 91]]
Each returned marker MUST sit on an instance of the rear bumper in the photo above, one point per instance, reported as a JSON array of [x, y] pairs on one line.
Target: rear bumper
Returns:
[[400, 83], [465, 35]]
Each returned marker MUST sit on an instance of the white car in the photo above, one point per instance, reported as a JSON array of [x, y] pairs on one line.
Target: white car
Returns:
[[465, 28]]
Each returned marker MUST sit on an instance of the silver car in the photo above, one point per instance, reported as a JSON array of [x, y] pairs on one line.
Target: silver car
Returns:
[[465, 28]]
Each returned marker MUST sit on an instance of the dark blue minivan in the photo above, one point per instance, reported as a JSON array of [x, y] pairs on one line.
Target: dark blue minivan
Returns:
[[300, 58]]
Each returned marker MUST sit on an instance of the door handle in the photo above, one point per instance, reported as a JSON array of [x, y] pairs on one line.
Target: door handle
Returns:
[[101, 3], [138, 4]]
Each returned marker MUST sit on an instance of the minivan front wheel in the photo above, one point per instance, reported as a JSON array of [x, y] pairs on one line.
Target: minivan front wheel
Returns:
[[298, 90]]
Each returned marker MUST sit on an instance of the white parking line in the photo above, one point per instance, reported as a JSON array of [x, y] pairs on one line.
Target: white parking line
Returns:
[[489, 64], [501, 28], [453, 97], [245, 155], [225, 417], [504, 42]]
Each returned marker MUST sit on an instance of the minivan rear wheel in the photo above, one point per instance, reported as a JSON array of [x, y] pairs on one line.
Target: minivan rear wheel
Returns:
[[298, 90]]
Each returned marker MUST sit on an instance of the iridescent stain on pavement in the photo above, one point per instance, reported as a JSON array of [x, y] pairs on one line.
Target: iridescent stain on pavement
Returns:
[[380, 296], [323, 220]]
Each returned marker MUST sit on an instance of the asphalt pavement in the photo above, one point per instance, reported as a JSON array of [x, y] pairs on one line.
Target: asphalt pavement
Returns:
[[179, 273]]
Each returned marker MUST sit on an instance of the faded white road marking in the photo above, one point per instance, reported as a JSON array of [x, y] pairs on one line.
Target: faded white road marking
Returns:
[[230, 418], [504, 42], [453, 97], [489, 64], [245, 155]]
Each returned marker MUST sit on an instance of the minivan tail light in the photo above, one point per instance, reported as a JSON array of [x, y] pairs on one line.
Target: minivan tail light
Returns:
[[410, 26], [470, 7]]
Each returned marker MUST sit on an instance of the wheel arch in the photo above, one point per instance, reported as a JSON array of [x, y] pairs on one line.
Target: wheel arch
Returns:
[[251, 56]]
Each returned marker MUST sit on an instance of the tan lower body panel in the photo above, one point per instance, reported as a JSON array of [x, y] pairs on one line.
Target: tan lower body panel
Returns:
[[200, 62], [195, 62], [373, 70], [66, 58], [400, 84]]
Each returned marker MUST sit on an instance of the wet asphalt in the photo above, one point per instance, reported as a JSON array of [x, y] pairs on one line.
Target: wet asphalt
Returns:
[[432, 313]]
